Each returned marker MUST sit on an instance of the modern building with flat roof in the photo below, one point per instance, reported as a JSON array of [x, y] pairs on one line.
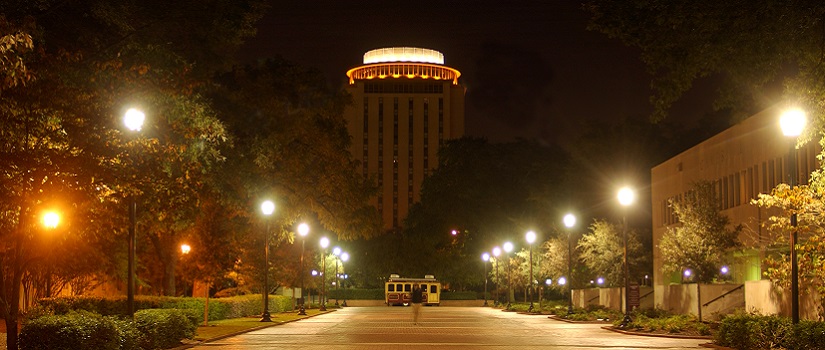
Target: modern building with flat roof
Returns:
[[406, 104], [743, 161]]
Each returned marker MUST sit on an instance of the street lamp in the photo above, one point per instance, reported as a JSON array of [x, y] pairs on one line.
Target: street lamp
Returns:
[[626, 197], [337, 252], [792, 123], [497, 253], [133, 119], [324, 244], [508, 247], [267, 208], [50, 221], [344, 258], [530, 237], [485, 257], [569, 222], [303, 230]]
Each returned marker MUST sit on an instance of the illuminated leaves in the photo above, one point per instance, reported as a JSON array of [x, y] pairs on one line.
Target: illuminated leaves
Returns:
[[703, 239]]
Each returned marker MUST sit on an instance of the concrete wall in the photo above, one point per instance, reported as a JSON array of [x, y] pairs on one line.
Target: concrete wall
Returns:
[[611, 298], [684, 299], [584, 297], [767, 298]]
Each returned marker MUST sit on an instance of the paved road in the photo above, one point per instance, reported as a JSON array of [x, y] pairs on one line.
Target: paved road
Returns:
[[439, 328]]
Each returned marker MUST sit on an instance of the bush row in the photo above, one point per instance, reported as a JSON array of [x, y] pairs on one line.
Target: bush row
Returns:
[[357, 294], [378, 294], [219, 308], [151, 329], [752, 331]]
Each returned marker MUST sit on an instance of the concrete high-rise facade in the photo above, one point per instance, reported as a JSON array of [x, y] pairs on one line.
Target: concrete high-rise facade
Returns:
[[406, 104]]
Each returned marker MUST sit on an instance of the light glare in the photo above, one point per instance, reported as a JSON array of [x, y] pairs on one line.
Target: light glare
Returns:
[[569, 220], [133, 119], [324, 242], [530, 237], [51, 219], [508, 247], [485, 256], [626, 196], [496, 251], [792, 122], [185, 248], [267, 207], [303, 229]]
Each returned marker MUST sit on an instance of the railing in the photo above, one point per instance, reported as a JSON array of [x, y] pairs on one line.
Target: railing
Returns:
[[643, 296], [594, 298], [723, 295]]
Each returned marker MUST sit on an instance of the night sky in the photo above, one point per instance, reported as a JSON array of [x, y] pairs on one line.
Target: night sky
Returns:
[[531, 68]]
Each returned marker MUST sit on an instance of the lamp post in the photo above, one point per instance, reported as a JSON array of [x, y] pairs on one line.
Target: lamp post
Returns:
[[50, 221], [337, 252], [792, 123], [626, 197], [324, 244], [344, 258], [303, 230], [267, 208], [508, 247], [569, 222], [133, 119], [497, 253], [485, 257], [530, 237]]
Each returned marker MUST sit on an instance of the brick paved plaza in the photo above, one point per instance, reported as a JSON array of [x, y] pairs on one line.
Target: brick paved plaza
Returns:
[[384, 327]]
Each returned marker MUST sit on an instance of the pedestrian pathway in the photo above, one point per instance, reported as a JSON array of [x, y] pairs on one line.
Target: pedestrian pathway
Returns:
[[439, 327]]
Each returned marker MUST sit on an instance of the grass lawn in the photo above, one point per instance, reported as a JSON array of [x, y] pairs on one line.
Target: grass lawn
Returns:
[[223, 327]]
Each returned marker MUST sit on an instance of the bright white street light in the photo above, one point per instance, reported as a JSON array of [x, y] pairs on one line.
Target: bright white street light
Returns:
[[267, 207], [496, 251], [626, 196], [792, 122], [303, 229], [548, 282], [336, 251], [562, 281], [133, 119], [485, 256], [344, 256], [569, 220], [508, 247], [324, 242], [530, 237]]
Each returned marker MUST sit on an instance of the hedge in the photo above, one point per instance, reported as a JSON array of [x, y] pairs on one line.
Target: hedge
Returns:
[[753, 331], [77, 330], [357, 294], [165, 328], [459, 296], [219, 308]]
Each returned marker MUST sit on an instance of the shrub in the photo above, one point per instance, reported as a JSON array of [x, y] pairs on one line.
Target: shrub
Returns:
[[808, 335], [357, 294], [458, 295], [164, 328], [219, 308], [751, 331], [77, 330]]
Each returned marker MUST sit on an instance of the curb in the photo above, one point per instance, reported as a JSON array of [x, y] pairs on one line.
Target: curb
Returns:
[[557, 318], [273, 324], [675, 336]]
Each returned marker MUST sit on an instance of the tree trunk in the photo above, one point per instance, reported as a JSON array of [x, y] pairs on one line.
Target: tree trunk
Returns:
[[11, 332], [169, 276]]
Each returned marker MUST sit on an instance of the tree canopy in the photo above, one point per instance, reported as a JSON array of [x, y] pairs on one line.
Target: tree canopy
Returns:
[[704, 238], [750, 45]]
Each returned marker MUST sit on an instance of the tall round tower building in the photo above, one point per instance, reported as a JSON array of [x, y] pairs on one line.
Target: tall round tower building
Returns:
[[406, 104]]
